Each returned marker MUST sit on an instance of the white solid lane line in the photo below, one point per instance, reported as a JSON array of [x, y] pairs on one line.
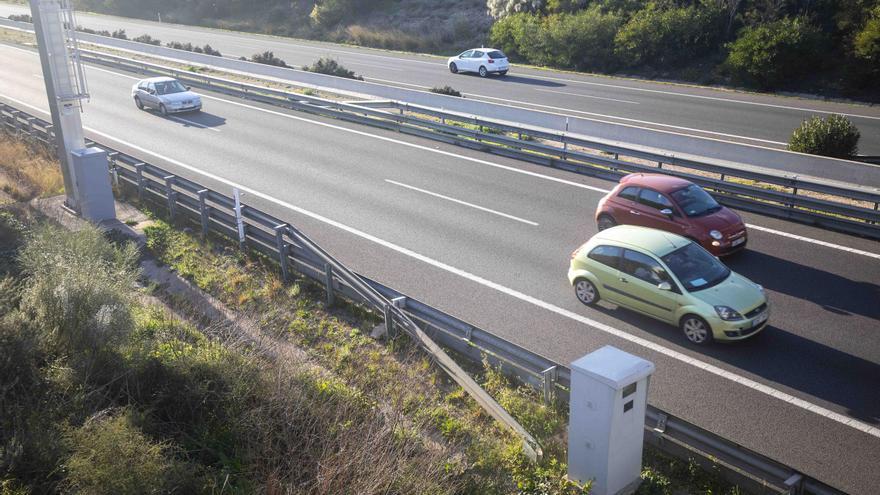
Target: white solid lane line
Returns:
[[465, 203], [485, 162], [587, 96], [814, 241], [703, 97], [679, 356]]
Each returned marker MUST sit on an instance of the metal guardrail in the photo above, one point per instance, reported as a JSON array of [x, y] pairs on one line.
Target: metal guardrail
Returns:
[[856, 210], [211, 211]]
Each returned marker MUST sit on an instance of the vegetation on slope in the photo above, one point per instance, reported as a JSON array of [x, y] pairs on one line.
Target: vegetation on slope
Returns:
[[828, 47]]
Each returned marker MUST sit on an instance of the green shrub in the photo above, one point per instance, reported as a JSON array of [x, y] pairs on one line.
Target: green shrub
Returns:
[[517, 35], [207, 49], [78, 288], [20, 17], [146, 38], [446, 90], [502, 8], [833, 136], [768, 54], [582, 40], [328, 13], [119, 33], [331, 67], [268, 58], [866, 44], [111, 456], [659, 35]]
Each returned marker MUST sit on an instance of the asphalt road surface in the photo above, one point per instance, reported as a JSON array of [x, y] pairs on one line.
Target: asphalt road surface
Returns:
[[752, 118], [488, 240]]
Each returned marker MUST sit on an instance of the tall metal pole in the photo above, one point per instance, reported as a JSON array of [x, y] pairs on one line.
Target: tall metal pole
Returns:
[[85, 170], [45, 59]]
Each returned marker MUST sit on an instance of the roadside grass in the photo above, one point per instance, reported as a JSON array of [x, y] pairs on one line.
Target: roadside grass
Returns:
[[27, 171], [395, 374]]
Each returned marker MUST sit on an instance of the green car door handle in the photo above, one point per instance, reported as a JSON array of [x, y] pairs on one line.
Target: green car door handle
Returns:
[[624, 280]]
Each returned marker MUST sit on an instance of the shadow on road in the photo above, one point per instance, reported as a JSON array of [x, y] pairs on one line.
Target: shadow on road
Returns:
[[198, 120], [518, 80], [785, 358], [832, 292]]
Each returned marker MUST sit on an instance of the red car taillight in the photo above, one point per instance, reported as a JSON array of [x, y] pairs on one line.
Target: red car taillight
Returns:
[[491, 61]]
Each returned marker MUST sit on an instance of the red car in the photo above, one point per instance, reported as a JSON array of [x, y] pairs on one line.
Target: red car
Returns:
[[675, 205]]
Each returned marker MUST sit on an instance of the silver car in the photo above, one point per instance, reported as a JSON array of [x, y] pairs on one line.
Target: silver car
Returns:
[[165, 94]]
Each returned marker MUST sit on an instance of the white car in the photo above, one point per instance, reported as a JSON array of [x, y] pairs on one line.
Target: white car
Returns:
[[165, 94], [483, 61]]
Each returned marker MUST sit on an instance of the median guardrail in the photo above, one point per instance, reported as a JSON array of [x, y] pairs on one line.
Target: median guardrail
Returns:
[[213, 212], [840, 206], [572, 121]]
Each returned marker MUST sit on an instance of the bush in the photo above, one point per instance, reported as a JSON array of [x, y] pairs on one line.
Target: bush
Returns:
[[331, 67], [111, 455], [120, 34], [21, 18], [833, 136], [92, 31], [668, 36], [328, 13], [78, 288], [582, 40], [768, 54], [866, 44], [193, 48], [146, 38], [268, 58], [501, 8], [446, 90]]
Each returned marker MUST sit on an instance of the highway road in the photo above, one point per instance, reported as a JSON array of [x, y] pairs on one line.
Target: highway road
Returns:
[[752, 118], [488, 240]]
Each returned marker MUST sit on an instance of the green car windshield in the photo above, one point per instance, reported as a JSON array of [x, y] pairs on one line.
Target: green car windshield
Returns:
[[696, 268]]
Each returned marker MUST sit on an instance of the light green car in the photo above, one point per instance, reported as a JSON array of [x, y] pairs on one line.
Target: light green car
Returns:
[[670, 278]]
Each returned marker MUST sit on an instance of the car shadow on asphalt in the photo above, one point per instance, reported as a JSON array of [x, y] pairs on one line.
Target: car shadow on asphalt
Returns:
[[832, 292], [785, 358], [197, 120], [521, 80]]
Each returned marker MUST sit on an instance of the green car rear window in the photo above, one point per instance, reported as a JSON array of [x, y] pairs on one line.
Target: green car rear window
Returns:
[[607, 255]]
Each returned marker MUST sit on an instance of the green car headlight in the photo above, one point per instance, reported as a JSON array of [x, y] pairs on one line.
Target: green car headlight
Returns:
[[727, 313]]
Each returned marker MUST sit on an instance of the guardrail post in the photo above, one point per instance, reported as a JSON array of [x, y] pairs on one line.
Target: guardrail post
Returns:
[[282, 249], [794, 484], [139, 170], [30, 125], [239, 218], [328, 282], [390, 331], [114, 173], [660, 165], [204, 212], [170, 195], [550, 376]]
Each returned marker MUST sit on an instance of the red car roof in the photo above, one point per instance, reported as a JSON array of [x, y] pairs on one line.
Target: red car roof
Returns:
[[658, 182]]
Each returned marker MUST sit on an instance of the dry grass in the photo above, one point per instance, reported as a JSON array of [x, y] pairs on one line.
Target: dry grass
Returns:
[[390, 38], [27, 171]]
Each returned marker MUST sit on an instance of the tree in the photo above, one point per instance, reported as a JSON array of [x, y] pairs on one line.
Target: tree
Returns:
[[669, 35], [768, 54], [866, 44], [501, 8]]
